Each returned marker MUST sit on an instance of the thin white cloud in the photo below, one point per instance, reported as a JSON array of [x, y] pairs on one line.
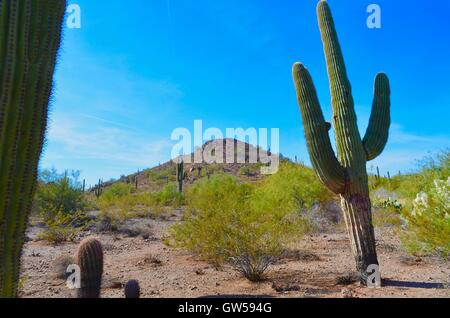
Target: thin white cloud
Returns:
[[400, 136], [75, 139]]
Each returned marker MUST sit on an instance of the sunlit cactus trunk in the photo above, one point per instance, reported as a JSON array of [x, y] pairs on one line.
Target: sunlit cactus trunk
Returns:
[[346, 174], [30, 34]]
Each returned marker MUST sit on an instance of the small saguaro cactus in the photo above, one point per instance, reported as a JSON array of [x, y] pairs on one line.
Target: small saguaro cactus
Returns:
[[346, 174], [89, 258], [30, 36], [132, 289], [181, 176], [98, 190]]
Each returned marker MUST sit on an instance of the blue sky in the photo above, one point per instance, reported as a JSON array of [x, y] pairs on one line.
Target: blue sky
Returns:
[[138, 69]]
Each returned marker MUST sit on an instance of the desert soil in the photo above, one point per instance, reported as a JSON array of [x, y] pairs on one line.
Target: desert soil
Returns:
[[313, 268]]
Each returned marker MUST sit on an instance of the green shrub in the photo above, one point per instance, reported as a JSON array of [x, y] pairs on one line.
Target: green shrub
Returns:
[[250, 169], [407, 186], [162, 175], [117, 190], [293, 189], [399, 193], [61, 203], [224, 225], [214, 169], [169, 196], [59, 194], [428, 223], [64, 227], [118, 202]]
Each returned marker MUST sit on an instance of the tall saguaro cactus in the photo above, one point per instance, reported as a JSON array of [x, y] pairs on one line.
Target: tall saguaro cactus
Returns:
[[346, 174], [30, 34]]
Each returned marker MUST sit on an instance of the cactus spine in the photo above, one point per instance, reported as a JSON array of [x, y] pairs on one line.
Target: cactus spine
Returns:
[[181, 176], [132, 289], [346, 174], [89, 257], [30, 35]]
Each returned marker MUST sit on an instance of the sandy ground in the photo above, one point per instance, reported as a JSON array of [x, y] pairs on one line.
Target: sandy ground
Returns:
[[311, 270]]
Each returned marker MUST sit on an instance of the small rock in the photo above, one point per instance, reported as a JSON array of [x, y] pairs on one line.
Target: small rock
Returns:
[[199, 272]]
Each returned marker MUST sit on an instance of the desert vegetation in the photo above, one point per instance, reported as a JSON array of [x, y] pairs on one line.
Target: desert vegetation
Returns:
[[247, 225], [250, 227], [182, 229]]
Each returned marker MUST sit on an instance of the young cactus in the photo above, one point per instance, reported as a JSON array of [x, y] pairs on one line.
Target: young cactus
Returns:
[[98, 190], [30, 33], [132, 289], [181, 176], [346, 174], [89, 257]]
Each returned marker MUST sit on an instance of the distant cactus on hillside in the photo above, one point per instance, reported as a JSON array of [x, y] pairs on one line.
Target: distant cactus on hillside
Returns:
[[98, 189], [181, 176]]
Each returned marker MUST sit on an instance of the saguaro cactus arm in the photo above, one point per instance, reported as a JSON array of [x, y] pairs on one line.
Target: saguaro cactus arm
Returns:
[[377, 134], [322, 155]]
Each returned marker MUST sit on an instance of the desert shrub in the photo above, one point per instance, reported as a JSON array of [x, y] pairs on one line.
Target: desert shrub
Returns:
[[64, 227], [58, 193], [60, 264], [250, 169], [432, 168], [386, 209], [293, 189], [162, 175], [223, 225], [116, 191], [118, 202], [169, 196], [60, 201], [214, 169], [394, 197], [427, 225]]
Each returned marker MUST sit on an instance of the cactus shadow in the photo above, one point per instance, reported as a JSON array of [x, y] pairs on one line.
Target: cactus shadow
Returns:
[[418, 285]]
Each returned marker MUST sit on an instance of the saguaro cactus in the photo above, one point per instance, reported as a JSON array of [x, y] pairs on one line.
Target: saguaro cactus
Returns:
[[98, 190], [89, 257], [30, 35], [181, 176], [346, 174]]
